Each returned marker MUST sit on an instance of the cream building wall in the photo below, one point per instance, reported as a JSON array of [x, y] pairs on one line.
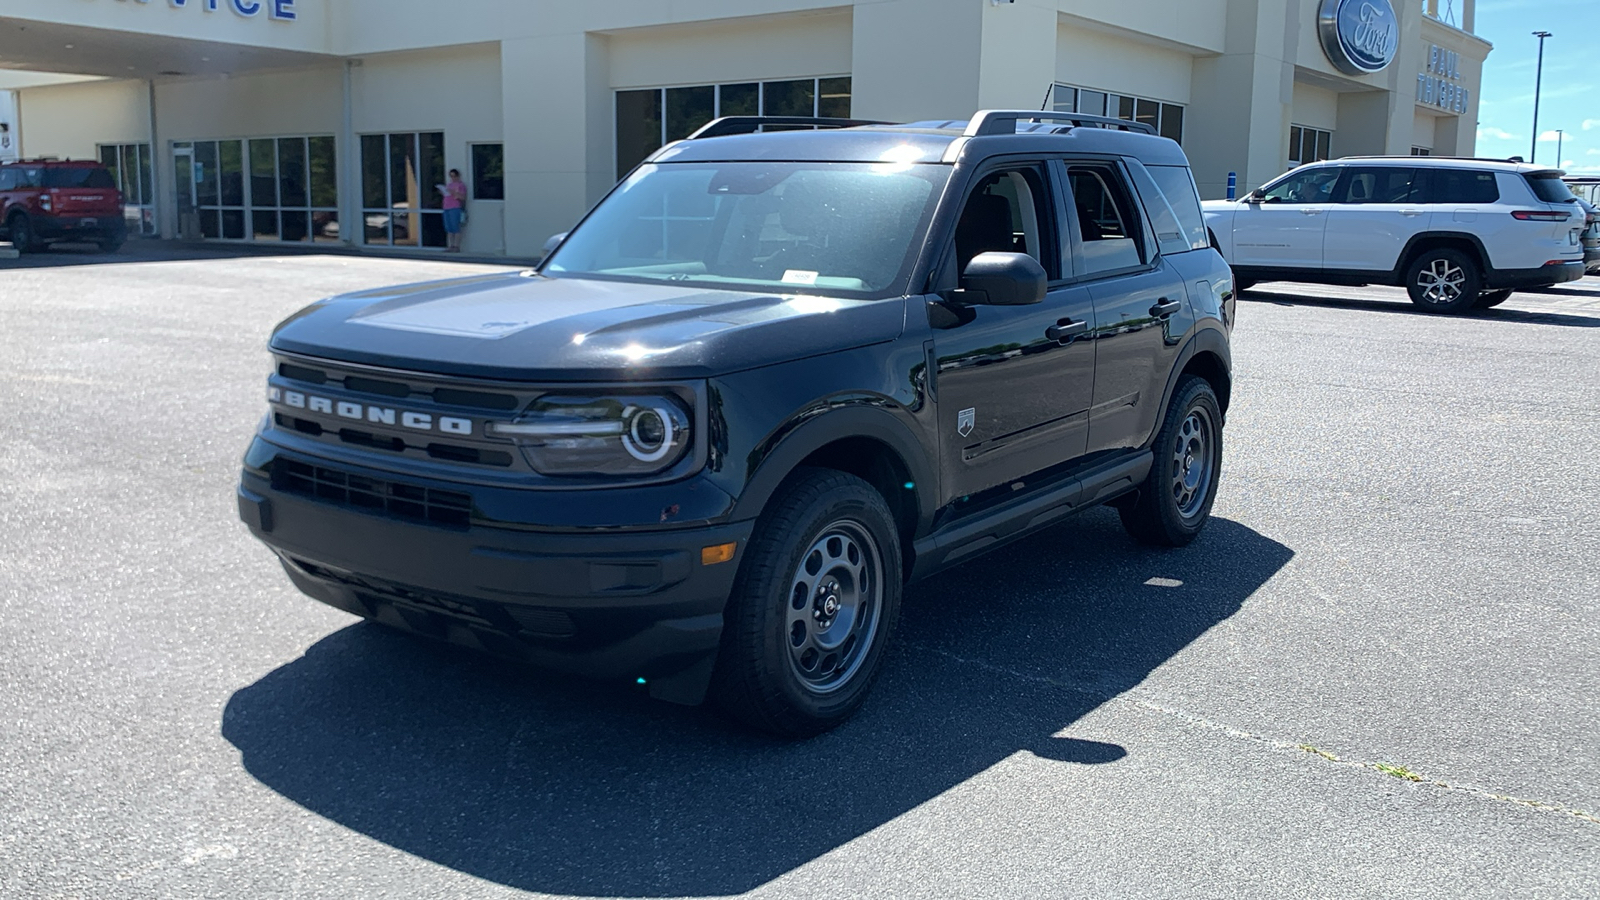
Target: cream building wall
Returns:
[[541, 77]]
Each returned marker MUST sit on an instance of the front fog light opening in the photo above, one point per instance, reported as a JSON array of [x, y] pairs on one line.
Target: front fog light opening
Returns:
[[650, 433]]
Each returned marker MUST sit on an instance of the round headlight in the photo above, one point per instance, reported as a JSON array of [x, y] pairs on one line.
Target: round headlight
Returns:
[[650, 433]]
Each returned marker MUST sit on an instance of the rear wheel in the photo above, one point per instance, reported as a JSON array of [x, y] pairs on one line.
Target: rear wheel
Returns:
[[1492, 298], [1444, 280], [112, 245], [22, 234], [1174, 502], [817, 595]]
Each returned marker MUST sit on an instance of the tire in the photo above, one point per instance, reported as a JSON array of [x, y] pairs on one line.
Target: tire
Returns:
[[1487, 299], [22, 236], [1174, 503], [1444, 280], [112, 245], [828, 542]]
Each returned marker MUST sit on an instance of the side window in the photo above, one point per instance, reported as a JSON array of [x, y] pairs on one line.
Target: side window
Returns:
[[1310, 186], [1107, 220], [1459, 186], [1377, 184], [27, 178], [1007, 212], [8, 179]]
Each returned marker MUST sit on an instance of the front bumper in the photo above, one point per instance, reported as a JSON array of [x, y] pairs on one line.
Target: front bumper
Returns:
[[623, 604], [1543, 276]]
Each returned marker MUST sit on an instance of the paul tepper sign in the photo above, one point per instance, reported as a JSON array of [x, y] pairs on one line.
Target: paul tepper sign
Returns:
[[1359, 36]]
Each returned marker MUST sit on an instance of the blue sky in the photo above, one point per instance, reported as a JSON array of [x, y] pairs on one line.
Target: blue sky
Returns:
[[1570, 99]]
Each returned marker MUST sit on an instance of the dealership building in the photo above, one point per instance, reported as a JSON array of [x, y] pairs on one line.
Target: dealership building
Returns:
[[334, 121]]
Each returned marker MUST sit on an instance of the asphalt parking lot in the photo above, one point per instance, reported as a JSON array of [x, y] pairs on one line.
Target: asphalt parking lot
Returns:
[[1377, 674]]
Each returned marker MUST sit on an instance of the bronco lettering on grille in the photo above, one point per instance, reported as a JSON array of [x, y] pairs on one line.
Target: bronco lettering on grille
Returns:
[[378, 415]]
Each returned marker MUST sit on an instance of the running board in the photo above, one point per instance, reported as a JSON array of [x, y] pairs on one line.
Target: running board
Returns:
[[1003, 524]]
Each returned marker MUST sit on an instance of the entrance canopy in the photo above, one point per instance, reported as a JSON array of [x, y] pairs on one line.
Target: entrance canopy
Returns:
[[38, 46]]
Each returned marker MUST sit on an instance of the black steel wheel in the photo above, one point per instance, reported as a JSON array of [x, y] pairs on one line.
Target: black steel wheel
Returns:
[[1174, 502], [817, 594], [1444, 280], [20, 228]]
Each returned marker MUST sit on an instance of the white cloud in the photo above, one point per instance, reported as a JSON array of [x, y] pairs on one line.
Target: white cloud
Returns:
[[1592, 151], [1497, 134], [1566, 164], [1549, 137], [1591, 124]]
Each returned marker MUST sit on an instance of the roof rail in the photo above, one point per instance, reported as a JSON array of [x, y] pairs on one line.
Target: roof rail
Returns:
[[748, 124], [1004, 121]]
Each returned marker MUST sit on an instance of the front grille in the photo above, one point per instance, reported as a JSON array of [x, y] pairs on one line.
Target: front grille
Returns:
[[370, 441], [360, 384], [408, 501]]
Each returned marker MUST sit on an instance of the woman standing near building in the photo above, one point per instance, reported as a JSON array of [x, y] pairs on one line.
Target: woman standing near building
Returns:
[[455, 210]]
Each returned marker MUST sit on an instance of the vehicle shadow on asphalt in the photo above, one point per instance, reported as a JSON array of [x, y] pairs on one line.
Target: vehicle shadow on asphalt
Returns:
[[1405, 307], [544, 784]]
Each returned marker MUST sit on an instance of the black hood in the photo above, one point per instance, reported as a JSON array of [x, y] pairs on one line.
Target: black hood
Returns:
[[526, 327]]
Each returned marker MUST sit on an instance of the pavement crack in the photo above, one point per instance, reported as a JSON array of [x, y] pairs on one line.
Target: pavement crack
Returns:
[[1124, 698]]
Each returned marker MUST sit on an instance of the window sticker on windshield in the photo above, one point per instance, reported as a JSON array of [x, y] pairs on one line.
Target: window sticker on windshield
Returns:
[[799, 276]]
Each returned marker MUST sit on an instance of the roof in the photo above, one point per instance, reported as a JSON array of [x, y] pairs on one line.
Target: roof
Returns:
[[1444, 162], [934, 141]]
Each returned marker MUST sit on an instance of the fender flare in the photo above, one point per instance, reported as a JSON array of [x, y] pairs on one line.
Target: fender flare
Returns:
[[858, 420], [1209, 339]]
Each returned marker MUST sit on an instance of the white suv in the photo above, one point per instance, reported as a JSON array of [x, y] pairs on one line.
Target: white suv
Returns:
[[1457, 233]]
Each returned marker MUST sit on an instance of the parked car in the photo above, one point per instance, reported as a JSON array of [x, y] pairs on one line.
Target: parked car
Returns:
[[1456, 233], [1591, 237], [705, 452], [43, 201]]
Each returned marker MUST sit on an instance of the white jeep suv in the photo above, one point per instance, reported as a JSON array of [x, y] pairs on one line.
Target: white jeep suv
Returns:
[[1457, 233]]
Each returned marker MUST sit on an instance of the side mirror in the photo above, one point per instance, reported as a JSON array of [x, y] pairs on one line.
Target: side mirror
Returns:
[[1003, 279], [1255, 196], [554, 241]]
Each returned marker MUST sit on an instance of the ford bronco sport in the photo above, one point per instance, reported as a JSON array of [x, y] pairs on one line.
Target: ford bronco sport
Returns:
[[47, 200], [770, 379]]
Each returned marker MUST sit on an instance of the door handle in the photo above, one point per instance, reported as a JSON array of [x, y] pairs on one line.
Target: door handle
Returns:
[[1410, 212], [1310, 211], [1064, 329], [1165, 307]]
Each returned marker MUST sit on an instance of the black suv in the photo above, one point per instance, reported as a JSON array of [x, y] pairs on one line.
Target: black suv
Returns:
[[767, 381]]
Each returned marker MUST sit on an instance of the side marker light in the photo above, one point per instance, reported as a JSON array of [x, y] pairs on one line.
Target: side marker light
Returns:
[[717, 553]]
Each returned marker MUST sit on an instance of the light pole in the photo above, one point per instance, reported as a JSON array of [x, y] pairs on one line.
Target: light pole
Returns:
[[1538, 77], [1560, 136]]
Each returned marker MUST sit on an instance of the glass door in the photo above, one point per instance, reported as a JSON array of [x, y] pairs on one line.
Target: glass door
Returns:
[[184, 176]]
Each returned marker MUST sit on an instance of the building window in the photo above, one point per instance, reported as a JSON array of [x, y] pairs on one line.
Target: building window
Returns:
[[1165, 118], [129, 165], [265, 189], [650, 118], [488, 171], [1421, 151], [1308, 145], [401, 174]]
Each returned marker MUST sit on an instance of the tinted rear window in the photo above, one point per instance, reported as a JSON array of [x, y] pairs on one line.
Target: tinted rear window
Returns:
[[1458, 186], [78, 177], [1548, 187]]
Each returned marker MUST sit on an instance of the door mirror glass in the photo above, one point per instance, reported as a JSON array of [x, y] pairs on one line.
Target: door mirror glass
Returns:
[[1003, 279]]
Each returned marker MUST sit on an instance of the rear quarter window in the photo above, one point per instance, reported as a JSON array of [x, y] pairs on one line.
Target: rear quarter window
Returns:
[[1548, 187], [1460, 186], [1177, 187]]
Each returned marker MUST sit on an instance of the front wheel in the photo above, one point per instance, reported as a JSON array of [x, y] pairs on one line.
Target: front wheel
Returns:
[[1174, 502], [1444, 280], [817, 594], [1492, 298]]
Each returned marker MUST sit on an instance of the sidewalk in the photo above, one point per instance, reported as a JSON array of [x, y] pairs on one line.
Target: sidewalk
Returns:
[[158, 250]]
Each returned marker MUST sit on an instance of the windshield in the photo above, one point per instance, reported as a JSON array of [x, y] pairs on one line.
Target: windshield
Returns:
[[77, 177], [805, 227]]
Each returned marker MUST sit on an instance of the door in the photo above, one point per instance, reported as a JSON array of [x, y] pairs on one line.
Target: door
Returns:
[[1013, 383], [1284, 230], [1139, 305], [1375, 211], [184, 176]]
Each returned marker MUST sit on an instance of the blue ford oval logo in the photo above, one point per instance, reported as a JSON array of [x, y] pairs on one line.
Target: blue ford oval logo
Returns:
[[1359, 36]]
